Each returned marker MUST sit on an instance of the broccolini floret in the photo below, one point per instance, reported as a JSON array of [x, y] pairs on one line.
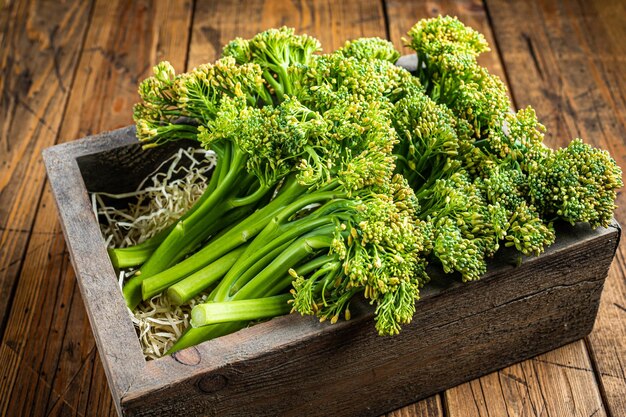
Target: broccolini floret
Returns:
[[370, 48], [447, 52], [466, 229], [428, 143], [376, 251], [280, 53], [577, 184], [446, 43]]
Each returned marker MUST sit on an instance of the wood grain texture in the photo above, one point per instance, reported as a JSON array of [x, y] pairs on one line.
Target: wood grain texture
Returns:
[[430, 407], [566, 59], [332, 22], [553, 384], [39, 46], [62, 373]]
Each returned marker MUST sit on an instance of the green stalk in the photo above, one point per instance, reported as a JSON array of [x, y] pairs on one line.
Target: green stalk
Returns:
[[194, 284], [200, 279], [181, 236], [218, 246], [254, 268], [194, 336], [267, 279], [170, 132], [322, 264], [276, 86], [199, 231], [312, 265], [273, 227], [233, 282], [197, 335], [242, 310], [138, 254], [251, 198], [135, 255], [132, 289], [285, 82]]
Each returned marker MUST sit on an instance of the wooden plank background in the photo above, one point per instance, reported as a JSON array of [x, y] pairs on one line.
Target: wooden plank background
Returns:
[[71, 68]]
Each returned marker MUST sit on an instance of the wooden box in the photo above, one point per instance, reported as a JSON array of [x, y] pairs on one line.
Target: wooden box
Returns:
[[296, 366]]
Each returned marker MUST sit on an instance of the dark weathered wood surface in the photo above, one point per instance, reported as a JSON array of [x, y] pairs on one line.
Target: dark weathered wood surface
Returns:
[[39, 50], [565, 60], [74, 66], [48, 360]]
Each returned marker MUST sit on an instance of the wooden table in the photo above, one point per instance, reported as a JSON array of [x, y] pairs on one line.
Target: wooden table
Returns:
[[71, 69]]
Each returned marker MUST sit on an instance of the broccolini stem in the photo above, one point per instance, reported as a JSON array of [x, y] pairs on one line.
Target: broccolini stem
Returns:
[[311, 265], [306, 268], [168, 133], [197, 335], [211, 224], [232, 179], [252, 198], [247, 274], [219, 246], [184, 237], [276, 86], [138, 254], [285, 81], [194, 284], [267, 279], [132, 288], [273, 227], [274, 234], [189, 287], [194, 336], [233, 280], [234, 311]]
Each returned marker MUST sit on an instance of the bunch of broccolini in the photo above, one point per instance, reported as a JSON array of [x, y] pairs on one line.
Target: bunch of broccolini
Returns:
[[343, 175]]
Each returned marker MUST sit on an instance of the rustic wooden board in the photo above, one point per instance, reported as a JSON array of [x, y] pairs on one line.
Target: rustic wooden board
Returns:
[[430, 407], [566, 60], [558, 383], [62, 373], [39, 48], [511, 314]]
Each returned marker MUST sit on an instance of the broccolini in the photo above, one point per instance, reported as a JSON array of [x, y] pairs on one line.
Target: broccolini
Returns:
[[342, 175]]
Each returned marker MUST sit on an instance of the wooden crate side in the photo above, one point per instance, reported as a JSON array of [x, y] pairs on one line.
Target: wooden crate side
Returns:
[[113, 330], [458, 333]]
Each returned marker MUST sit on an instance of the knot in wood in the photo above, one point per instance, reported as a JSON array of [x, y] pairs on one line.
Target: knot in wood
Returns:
[[209, 384], [190, 356]]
